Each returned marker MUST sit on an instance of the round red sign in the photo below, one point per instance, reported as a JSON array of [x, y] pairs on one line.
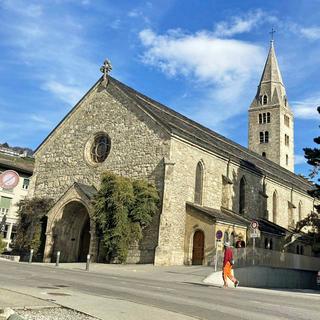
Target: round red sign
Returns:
[[9, 179], [254, 224]]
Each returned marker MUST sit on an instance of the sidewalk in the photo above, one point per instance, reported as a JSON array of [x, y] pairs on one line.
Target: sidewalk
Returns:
[[14, 300]]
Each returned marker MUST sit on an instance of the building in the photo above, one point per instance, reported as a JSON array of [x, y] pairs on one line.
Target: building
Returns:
[[206, 181], [23, 165]]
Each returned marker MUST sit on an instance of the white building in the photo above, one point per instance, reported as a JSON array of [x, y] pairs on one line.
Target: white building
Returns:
[[10, 160]]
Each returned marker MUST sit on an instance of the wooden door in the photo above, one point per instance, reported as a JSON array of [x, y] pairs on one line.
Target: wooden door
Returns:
[[198, 248]]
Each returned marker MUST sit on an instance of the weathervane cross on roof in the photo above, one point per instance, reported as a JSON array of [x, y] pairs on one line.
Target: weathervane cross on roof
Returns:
[[105, 69], [272, 32]]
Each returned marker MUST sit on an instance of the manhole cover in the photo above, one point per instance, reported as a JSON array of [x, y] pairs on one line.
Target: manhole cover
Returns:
[[59, 294]]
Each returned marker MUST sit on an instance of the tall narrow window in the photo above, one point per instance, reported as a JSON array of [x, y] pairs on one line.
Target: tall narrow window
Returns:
[[264, 117], [266, 137], [287, 159], [286, 120], [261, 137], [286, 140], [265, 99], [268, 117], [5, 204], [260, 118], [198, 184], [242, 196], [264, 154], [300, 210], [275, 207]]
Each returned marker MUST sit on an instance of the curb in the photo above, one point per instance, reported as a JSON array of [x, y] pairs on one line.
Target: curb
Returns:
[[9, 314]]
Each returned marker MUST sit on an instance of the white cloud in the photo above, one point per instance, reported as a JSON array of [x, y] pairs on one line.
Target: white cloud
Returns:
[[299, 159], [54, 49], [307, 108], [224, 68], [311, 33], [67, 93], [239, 24]]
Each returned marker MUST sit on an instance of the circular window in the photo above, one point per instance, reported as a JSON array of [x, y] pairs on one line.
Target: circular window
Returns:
[[98, 148]]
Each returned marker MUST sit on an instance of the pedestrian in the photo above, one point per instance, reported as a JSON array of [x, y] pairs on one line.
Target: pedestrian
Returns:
[[227, 266]]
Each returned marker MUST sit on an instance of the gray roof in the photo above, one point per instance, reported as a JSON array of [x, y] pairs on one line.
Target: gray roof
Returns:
[[206, 138], [190, 130], [23, 165], [89, 191], [219, 215]]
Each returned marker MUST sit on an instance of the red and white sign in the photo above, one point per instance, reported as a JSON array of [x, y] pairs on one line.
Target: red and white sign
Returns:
[[254, 224], [9, 179]]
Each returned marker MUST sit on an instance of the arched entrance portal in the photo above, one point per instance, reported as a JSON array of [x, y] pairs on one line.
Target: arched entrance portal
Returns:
[[198, 248], [71, 234]]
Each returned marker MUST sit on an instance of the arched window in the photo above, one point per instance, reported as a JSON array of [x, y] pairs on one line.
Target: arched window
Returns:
[[265, 99], [268, 117], [275, 207], [298, 249], [301, 250], [242, 196], [264, 154], [264, 118], [226, 236], [260, 118], [198, 184], [300, 210], [271, 244], [261, 137], [266, 243], [266, 136]]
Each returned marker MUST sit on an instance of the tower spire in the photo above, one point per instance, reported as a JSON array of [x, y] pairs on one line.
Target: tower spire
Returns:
[[270, 117]]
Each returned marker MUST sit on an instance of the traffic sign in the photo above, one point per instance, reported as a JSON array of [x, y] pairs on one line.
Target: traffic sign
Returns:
[[9, 179], [254, 224], [255, 233], [219, 235]]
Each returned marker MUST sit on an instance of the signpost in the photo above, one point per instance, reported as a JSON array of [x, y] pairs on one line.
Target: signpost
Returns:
[[254, 233], [219, 235], [9, 179]]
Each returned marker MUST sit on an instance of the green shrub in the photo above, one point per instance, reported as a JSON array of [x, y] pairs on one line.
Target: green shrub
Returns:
[[122, 208]]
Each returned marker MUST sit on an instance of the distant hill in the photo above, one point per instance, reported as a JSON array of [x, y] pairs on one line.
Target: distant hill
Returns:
[[17, 149]]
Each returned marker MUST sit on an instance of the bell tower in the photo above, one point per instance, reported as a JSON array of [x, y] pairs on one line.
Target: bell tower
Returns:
[[270, 117]]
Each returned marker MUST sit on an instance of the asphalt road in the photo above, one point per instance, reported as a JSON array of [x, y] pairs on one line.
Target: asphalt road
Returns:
[[160, 289]]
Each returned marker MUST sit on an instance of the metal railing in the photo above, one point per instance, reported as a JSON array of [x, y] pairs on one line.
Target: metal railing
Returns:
[[245, 257]]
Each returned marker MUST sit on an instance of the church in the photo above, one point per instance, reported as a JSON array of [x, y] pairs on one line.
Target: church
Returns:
[[206, 182]]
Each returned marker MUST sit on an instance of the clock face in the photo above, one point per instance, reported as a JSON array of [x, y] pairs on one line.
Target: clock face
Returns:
[[9, 179]]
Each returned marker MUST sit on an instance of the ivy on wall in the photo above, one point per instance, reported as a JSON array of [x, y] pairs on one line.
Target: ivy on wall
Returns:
[[122, 209], [31, 225]]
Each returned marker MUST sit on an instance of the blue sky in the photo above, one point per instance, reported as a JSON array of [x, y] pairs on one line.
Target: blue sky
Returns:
[[201, 58]]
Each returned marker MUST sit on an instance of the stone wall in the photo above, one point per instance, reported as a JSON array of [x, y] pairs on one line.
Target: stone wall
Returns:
[[138, 146], [180, 188]]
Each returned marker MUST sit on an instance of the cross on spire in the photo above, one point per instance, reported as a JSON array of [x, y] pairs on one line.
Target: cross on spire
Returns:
[[272, 32]]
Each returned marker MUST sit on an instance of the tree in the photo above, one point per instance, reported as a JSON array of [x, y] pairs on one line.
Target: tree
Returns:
[[313, 158], [312, 222], [30, 227], [122, 209]]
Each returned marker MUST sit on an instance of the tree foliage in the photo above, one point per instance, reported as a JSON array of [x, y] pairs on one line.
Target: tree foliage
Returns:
[[122, 209], [30, 219], [3, 245], [312, 221], [313, 158]]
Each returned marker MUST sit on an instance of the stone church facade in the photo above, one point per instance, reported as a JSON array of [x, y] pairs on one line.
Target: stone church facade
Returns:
[[206, 182]]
